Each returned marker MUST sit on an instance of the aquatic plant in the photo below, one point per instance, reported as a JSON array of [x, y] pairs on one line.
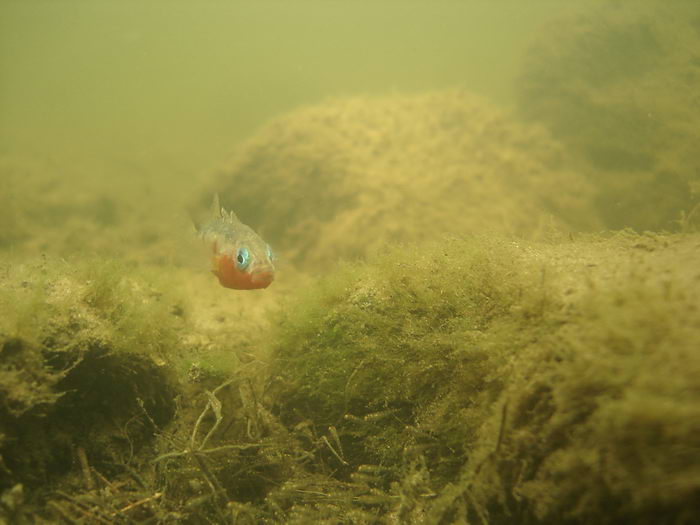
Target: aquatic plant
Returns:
[[82, 346], [475, 380], [483, 381]]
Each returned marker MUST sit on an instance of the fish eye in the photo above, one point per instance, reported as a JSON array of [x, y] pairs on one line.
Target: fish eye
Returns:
[[242, 258]]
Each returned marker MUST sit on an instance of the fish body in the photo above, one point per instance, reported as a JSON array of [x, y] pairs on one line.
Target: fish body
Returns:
[[241, 259]]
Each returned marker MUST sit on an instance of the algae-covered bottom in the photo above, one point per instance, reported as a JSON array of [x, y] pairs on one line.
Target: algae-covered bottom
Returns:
[[461, 381]]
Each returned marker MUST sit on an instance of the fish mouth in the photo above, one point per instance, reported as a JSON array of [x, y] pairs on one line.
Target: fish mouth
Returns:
[[262, 278]]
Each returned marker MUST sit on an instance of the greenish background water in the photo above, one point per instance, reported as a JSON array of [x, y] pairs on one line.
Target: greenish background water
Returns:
[[179, 83]]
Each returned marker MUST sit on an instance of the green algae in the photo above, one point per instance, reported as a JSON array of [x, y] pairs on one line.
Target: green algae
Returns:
[[554, 383], [83, 344], [389, 352], [346, 166], [475, 380]]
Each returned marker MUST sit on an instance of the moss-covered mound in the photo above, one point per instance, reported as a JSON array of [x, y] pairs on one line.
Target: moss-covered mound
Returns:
[[475, 380], [82, 381], [344, 177], [392, 351], [485, 382], [619, 85]]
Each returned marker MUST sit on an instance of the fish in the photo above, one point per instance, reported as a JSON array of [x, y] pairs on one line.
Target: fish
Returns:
[[241, 259]]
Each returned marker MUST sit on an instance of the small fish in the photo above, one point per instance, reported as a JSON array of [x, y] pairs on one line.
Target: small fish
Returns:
[[242, 260]]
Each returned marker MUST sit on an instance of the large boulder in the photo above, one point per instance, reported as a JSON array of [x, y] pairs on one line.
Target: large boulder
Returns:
[[619, 85], [518, 383], [342, 178]]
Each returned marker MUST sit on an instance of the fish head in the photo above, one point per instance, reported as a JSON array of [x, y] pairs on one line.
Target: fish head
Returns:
[[244, 266]]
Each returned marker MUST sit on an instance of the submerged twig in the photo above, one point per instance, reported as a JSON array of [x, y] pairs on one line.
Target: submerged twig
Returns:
[[197, 451]]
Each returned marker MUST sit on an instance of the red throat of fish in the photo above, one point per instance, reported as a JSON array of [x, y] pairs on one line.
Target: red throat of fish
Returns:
[[231, 277]]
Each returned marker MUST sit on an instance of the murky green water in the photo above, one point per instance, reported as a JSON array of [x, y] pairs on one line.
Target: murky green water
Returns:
[[184, 81]]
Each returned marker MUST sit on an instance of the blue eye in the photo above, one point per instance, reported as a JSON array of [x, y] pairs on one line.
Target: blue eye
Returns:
[[242, 258]]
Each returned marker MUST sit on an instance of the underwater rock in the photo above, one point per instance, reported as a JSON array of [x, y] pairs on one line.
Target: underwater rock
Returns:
[[472, 380], [82, 381], [341, 178], [485, 381], [619, 85]]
